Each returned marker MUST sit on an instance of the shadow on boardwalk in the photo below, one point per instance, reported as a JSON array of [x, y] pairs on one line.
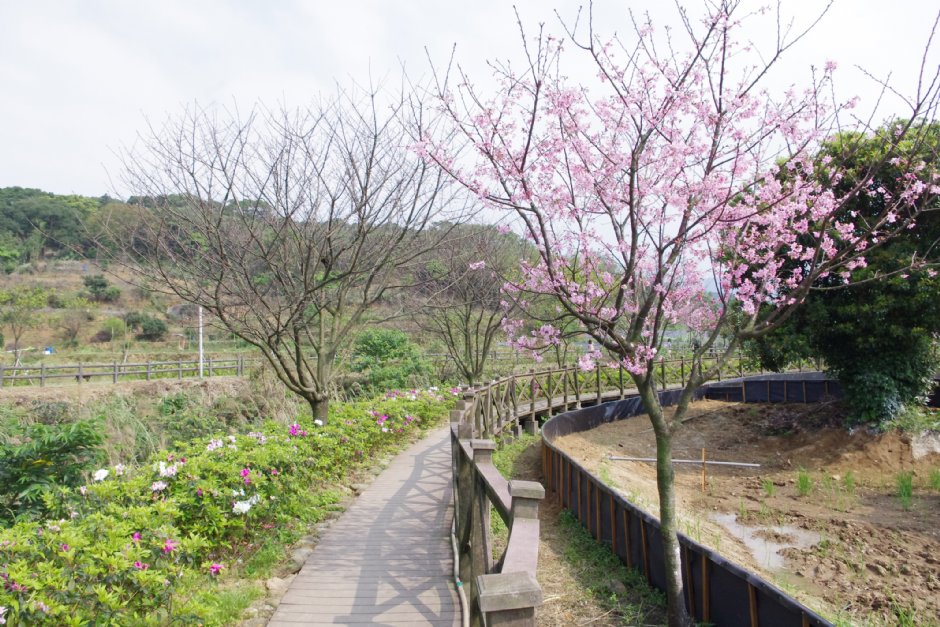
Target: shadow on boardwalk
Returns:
[[387, 560]]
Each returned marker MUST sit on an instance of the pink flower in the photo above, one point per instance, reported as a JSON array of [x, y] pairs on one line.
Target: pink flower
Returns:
[[140, 565], [136, 536], [65, 547], [169, 546], [215, 569]]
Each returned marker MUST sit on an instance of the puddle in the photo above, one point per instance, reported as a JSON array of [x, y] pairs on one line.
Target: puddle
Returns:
[[767, 551]]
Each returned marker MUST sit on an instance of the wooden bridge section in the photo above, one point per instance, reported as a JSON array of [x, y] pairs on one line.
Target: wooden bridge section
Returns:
[[388, 560]]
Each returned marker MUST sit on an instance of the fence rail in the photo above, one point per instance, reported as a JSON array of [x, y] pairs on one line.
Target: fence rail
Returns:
[[115, 371]]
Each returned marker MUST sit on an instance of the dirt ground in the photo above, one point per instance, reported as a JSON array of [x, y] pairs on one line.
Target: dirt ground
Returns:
[[846, 546]]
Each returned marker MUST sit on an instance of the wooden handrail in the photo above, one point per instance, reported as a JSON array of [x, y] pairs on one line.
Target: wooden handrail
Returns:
[[504, 407]]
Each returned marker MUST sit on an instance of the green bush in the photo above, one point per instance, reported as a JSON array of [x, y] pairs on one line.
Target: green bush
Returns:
[[99, 290], [389, 359], [46, 458], [143, 545], [149, 328]]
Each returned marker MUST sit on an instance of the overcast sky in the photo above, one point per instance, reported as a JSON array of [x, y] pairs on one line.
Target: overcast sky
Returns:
[[78, 79]]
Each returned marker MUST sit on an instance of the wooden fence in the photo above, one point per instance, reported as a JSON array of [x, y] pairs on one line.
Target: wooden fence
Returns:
[[503, 590], [82, 373]]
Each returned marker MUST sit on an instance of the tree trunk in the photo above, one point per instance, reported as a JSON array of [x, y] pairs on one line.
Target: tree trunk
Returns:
[[319, 408], [677, 613]]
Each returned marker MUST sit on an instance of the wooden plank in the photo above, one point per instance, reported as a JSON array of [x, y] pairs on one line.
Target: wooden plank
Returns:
[[388, 559]]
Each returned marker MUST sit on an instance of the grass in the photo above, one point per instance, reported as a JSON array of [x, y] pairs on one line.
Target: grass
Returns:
[[590, 578], [597, 568], [934, 480], [804, 482], [848, 482], [769, 488], [905, 488]]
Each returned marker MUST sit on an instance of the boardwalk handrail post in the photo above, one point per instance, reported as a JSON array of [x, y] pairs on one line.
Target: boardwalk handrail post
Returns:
[[509, 599]]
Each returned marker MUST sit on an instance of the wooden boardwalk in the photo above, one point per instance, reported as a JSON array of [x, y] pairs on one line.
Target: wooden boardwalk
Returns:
[[388, 559]]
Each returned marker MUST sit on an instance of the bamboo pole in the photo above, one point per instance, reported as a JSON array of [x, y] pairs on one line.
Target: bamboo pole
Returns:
[[682, 461]]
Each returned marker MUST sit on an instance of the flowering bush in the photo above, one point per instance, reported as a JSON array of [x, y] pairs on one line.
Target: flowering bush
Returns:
[[137, 544]]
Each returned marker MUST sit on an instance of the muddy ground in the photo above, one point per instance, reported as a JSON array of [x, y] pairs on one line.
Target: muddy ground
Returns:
[[847, 546]]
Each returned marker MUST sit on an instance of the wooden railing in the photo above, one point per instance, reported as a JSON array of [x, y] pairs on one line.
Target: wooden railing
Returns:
[[504, 588], [115, 371]]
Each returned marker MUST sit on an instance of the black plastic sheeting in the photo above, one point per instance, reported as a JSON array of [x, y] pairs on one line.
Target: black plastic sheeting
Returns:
[[734, 597]]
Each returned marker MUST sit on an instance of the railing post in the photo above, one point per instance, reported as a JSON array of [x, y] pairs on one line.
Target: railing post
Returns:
[[598, 377], [509, 599], [480, 545], [80, 373], [114, 373], [42, 374], [620, 377], [577, 386], [179, 369], [1, 375], [526, 496], [148, 370]]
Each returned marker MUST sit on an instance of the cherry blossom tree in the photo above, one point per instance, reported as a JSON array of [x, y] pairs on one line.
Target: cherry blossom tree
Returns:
[[676, 189]]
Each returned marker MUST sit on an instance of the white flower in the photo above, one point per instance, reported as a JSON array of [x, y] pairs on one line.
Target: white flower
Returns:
[[100, 475], [214, 444], [167, 471], [241, 507], [231, 438], [318, 422], [158, 486], [3, 611], [119, 470], [83, 490]]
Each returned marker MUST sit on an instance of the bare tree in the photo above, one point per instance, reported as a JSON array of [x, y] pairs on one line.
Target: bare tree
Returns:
[[288, 226], [463, 305]]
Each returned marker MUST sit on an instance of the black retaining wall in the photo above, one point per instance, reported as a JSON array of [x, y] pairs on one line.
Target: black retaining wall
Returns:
[[717, 591]]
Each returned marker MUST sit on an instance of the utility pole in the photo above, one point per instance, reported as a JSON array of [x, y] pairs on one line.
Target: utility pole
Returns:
[[200, 342]]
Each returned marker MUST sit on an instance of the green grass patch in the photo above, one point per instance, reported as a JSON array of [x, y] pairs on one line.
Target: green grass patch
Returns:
[[804, 482], [905, 488], [618, 589]]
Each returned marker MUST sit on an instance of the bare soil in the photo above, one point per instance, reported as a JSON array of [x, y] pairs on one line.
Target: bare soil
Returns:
[[849, 547]]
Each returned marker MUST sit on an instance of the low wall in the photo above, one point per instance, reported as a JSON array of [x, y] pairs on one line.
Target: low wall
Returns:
[[717, 591]]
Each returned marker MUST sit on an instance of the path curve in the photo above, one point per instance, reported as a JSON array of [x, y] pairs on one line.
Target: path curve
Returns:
[[388, 559]]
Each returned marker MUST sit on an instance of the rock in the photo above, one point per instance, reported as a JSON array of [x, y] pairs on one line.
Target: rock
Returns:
[[616, 586], [278, 586], [299, 557], [878, 569]]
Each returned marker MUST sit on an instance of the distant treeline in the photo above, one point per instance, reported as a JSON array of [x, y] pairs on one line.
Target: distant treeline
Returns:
[[37, 225]]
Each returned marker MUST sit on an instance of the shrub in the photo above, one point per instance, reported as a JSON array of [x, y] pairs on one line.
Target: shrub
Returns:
[[47, 458], [151, 329], [389, 359], [142, 546], [99, 290]]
